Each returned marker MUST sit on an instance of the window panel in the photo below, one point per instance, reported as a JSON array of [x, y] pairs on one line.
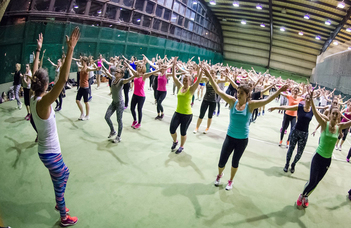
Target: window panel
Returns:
[[159, 10], [172, 29], [186, 23], [200, 30], [176, 6], [181, 9], [161, 2], [199, 7], [128, 3], [125, 15], [18, 5], [180, 20], [156, 24], [79, 7], [192, 15], [150, 7], [167, 14], [111, 12], [191, 26], [164, 26], [185, 1], [61, 6], [168, 3], [136, 18], [178, 31], [95, 9], [42, 5], [139, 5], [147, 21], [194, 6], [188, 12], [174, 18], [190, 35]]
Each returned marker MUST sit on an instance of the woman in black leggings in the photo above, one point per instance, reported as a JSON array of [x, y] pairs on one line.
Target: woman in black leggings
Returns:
[[126, 88]]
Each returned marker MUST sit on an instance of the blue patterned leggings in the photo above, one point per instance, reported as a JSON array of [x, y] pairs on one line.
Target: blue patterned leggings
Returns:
[[59, 173], [300, 138]]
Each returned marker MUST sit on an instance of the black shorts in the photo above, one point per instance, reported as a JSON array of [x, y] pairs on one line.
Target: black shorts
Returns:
[[26, 96], [83, 92]]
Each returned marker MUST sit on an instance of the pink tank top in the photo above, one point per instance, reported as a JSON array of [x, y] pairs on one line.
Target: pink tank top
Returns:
[[347, 116], [139, 87], [99, 63], [162, 82]]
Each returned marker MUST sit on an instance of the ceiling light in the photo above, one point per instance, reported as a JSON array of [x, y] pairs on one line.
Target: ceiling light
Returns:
[[301, 33], [258, 6], [99, 12], [348, 30], [236, 3], [341, 5], [243, 22], [262, 25], [76, 7], [213, 2], [318, 37], [306, 16], [194, 2], [349, 48], [110, 25], [335, 43], [282, 29], [138, 20], [328, 22], [192, 19]]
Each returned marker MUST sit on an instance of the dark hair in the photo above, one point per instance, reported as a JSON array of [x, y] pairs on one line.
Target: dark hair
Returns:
[[40, 81], [85, 59], [246, 88]]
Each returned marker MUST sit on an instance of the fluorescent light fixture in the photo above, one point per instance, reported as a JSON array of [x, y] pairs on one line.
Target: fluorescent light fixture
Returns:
[[341, 5], [76, 7], [318, 37], [349, 48], [262, 25], [328, 22], [192, 19], [213, 2], [236, 3], [138, 20], [335, 43], [348, 30], [301, 33], [258, 6], [110, 25], [282, 29], [194, 2], [99, 12], [243, 22], [306, 16]]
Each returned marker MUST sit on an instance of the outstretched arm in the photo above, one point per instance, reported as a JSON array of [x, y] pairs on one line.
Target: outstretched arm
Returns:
[[258, 103], [51, 62], [320, 120], [42, 58], [292, 108], [37, 53], [175, 79], [193, 88]]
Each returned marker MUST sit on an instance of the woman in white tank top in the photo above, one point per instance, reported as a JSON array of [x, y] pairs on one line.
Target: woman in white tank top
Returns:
[[44, 118]]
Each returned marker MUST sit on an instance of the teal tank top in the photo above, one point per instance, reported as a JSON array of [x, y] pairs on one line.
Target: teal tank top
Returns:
[[239, 122], [327, 142]]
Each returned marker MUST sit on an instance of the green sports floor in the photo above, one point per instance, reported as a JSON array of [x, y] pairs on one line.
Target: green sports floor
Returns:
[[141, 183]]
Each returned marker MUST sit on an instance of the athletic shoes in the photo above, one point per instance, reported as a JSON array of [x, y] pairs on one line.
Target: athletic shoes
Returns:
[[162, 115], [69, 221], [285, 132], [292, 169], [89, 99], [218, 180], [174, 145], [206, 130], [340, 149], [280, 143], [86, 118], [117, 140], [195, 131], [57, 109], [259, 114], [20, 106], [113, 133], [349, 194], [81, 117], [27, 117], [125, 107], [57, 209], [287, 144], [336, 148], [218, 113], [263, 113], [286, 168], [299, 201], [347, 159], [302, 201], [229, 185], [157, 117], [192, 104], [134, 123], [137, 126], [180, 150]]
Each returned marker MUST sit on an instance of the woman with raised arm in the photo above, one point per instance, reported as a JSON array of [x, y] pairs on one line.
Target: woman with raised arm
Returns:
[[17, 84], [183, 114], [139, 93], [238, 130], [321, 160], [98, 72], [117, 104], [299, 133], [57, 73], [44, 118], [346, 117]]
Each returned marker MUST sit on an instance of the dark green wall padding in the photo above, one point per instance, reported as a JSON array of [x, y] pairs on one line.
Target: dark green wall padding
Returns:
[[17, 42]]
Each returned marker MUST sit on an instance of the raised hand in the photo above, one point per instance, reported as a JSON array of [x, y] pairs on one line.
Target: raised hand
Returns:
[[284, 88], [73, 39], [40, 41]]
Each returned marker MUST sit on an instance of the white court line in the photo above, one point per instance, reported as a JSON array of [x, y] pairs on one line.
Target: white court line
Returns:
[[258, 140]]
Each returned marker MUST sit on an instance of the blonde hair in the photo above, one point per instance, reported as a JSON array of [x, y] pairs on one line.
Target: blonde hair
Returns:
[[18, 65]]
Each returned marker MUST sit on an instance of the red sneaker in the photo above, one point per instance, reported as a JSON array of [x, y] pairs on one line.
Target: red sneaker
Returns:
[[69, 221], [299, 201], [305, 202], [134, 123], [57, 209], [137, 126]]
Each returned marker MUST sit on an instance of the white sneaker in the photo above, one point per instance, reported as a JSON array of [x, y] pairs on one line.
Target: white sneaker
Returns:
[[86, 118], [81, 117], [340, 148], [195, 131], [112, 134], [20, 106], [117, 140], [229, 185], [336, 148], [206, 130], [218, 180]]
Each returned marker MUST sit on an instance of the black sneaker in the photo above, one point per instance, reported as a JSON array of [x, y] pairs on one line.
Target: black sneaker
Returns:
[[180, 150], [292, 169], [157, 117], [286, 168], [161, 117], [174, 145]]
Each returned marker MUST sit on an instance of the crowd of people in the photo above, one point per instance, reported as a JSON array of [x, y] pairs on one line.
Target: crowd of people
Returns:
[[246, 96]]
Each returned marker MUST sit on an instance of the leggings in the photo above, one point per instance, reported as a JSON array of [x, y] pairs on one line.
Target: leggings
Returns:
[[59, 102], [17, 89], [232, 144], [90, 80], [155, 85], [285, 125], [218, 101], [126, 88], [299, 137], [151, 80], [319, 167], [344, 132], [119, 108], [254, 114], [33, 124], [140, 101], [160, 96], [349, 154], [180, 119], [211, 106], [59, 173], [26, 96], [78, 78]]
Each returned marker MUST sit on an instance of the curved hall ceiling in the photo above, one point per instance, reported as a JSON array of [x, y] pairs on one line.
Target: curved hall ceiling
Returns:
[[294, 49]]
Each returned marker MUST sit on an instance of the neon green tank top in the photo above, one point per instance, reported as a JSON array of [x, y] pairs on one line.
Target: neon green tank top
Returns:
[[327, 142], [184, 102]]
